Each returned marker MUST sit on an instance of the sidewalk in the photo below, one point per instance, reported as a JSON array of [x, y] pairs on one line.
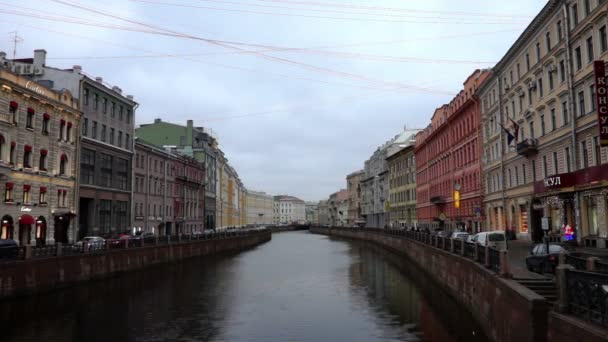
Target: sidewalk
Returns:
[[518, 250]]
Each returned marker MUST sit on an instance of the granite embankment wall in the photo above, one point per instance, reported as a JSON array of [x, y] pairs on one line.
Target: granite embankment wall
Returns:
[[506, 310], [38, 275]]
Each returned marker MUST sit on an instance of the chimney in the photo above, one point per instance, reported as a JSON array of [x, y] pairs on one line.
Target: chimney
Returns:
[[189, 133], [99, 79], [130, 97], [77, 69], [117, 89], [39, 58], [158, 120]]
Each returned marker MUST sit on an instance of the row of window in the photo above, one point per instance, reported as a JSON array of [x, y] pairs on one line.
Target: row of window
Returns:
[[113, 108], [403, 196], [28, 159], [65, 128], [110, 136], [9, 195], [556, 162], [117, 211], [102, 169]]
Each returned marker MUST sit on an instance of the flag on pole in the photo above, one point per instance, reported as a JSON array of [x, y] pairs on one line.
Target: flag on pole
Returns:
[[515, 128], [510, 136]]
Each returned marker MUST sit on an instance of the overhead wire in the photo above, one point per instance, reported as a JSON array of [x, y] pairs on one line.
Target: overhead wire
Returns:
[[437, 20], [264, 56], [393, 9], [393, 15]]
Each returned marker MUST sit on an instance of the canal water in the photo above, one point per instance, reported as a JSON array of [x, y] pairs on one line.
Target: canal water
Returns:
[[298, 287]]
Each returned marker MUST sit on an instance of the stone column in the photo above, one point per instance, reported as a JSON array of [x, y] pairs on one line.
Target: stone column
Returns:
[[562, 286], [505, 266], [591, 263]]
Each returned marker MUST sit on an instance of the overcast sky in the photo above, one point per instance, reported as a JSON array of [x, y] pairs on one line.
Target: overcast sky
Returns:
[[290, 121]]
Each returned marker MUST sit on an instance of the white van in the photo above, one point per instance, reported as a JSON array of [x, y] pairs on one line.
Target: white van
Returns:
[[496, 239]]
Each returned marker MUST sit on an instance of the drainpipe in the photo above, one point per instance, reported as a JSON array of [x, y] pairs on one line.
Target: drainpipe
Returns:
[[147, 184], [132, 150], [571, 106], [502, 151]]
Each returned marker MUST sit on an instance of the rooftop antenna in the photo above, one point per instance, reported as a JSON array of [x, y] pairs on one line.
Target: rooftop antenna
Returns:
[[16, 39]]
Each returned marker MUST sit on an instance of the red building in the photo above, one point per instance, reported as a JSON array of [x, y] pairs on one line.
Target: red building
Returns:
[[448, 157]]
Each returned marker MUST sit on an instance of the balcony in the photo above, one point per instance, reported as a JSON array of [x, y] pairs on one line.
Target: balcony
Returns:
[[438, 200], [527, 148]]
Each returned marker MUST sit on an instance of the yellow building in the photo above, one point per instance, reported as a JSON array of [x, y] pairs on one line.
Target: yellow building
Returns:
[[542, 158], [402, 187], [231, 201], [258, 208]]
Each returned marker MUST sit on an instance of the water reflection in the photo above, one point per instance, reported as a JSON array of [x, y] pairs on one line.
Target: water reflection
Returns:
[[299, 287]]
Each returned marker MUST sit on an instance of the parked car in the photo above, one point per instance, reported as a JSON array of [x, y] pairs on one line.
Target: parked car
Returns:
[[91, 241], [8, 249], [460, 235], [495, 239], [540, 261]]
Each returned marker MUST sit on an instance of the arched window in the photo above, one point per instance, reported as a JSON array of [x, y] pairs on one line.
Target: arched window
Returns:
[[63, 163]]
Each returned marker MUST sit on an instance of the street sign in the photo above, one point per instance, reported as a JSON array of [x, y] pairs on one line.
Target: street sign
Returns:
[[442, 217], [545, 223]]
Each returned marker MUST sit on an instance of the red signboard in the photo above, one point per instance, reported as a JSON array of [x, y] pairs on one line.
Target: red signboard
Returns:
[[580, 178], [601, 99]]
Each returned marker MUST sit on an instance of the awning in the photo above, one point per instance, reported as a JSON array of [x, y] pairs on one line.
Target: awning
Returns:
[[62, 122], [26, 219], [43, 189], [46, 116], [64, 157], [43, 152], [69, 125], [9, 185], [26, 187], [30, 110], [27, 148], [14, 104]]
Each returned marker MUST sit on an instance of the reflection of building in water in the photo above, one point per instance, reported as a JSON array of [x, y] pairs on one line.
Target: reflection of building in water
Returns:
[[385, 284], [431, 326]]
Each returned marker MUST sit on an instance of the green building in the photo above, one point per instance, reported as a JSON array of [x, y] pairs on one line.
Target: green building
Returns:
[[192, 141]]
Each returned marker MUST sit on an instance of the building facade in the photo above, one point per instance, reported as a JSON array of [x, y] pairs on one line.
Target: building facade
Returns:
[[106, 143], [289, 209], [197, 142], [259, 208], [323, 213], [38, 161], [548, 166], [353, 186], [230, 195], [448, 163], [338, 208], [402, 187], [375, 207], [312, 212]]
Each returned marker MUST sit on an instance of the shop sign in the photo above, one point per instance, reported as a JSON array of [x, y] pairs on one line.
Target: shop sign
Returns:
[[553, 181], [26, 209], [601, 98]]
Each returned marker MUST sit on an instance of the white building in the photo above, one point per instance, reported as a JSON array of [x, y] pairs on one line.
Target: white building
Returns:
[[289, 209], [259, 207]]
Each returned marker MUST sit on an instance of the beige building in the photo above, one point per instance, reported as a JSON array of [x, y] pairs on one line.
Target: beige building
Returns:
[[312, 212], [338, 208], [402, 187], [353, 186], [259, 207], [543, 92], [323, 215], [39, 131], [231, 195]]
